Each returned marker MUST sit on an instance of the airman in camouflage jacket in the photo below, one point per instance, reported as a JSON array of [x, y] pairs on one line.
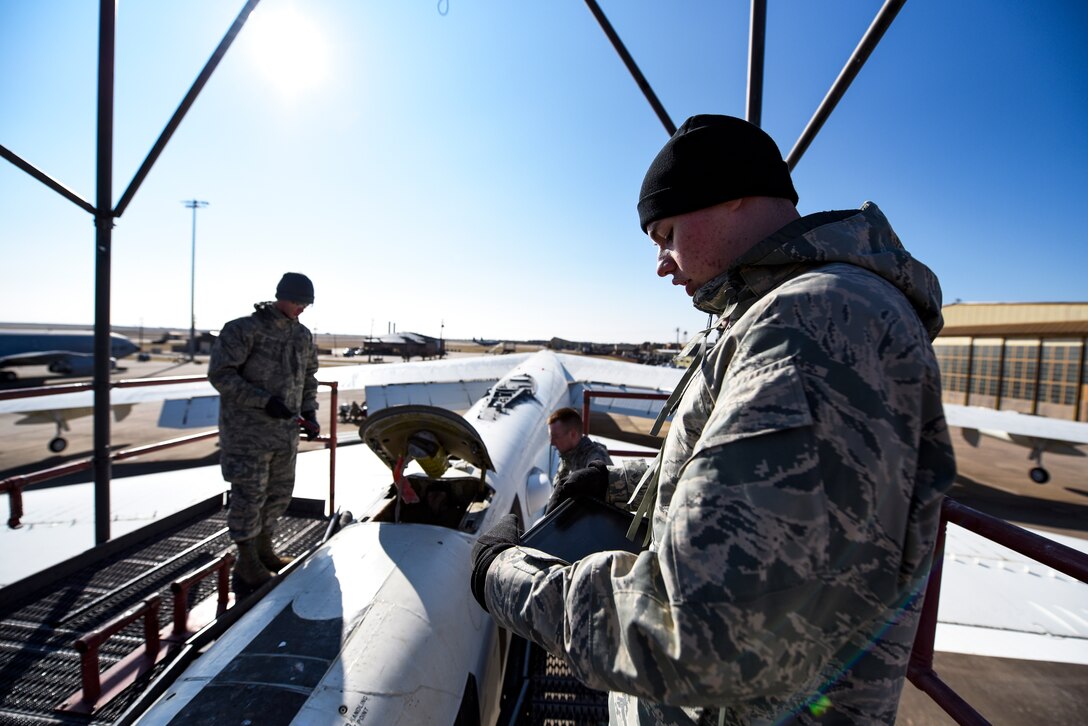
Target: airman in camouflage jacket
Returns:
[[799, 490], [256, 357], [582, 455]]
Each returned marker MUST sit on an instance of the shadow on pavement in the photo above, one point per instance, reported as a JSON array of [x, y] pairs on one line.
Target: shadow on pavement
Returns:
[[1019, 508]]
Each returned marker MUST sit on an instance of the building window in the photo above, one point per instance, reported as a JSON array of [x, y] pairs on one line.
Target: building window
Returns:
[[984, 377], [953, 361], [1018, 383], [1058, 372]]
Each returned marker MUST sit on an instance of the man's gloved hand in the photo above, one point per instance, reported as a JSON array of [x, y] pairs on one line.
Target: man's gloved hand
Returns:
[[308, 425], [276, 408], [589, 482], [505, 534]]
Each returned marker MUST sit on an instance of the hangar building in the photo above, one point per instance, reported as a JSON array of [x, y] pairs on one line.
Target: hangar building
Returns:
[[1026, 357]]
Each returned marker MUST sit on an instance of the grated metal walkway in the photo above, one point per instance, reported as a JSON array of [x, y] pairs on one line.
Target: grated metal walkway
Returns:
[[540, 690], [42, 616]]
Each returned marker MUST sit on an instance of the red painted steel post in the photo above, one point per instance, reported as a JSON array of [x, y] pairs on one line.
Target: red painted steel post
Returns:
[[585, 411], [15, 501], [921, 655], [225, 564], [88, 670], [181, 606], [151, 627]]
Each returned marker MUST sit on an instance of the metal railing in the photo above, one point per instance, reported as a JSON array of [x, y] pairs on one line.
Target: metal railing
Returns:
[[13, 486], [99, 688], [180, 588], [86, 699], [1052, 554], [587, 396]]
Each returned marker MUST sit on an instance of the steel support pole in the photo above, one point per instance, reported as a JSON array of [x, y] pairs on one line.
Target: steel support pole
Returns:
[[192, 293], [869, 41], [632, 67], [757, 34], [193, 204], [103, 222]]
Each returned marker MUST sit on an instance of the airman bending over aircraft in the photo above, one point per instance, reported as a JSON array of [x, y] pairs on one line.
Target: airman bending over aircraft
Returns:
[[264, 367], [576, 452], [795, 501]]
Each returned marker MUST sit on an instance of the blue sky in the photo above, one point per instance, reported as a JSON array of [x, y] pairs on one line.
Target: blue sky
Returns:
[[479, 168]]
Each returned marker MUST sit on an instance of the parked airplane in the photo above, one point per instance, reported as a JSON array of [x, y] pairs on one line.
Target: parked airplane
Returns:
[[1039, 433], [71, 353]]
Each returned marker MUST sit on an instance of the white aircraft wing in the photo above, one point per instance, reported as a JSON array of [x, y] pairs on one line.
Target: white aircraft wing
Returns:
[[347, 377], [606, 371], [1016, 424], [601, 375], [84, 399], [448, 369], [453, 383], [120, 412], [996, 602]]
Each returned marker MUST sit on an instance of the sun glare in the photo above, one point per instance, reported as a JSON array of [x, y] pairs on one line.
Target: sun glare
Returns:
[[288, 48]]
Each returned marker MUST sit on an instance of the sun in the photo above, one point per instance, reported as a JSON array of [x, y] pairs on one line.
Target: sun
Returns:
[[288, 49]]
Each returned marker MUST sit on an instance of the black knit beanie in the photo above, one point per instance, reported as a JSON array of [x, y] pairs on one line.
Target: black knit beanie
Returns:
[[710, 160], [296, 287]]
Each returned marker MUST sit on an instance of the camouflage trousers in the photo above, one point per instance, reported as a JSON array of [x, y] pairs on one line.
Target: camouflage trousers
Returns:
[[261, 483]]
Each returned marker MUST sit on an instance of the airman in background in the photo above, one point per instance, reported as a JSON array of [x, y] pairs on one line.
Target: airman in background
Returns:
[[264, 366]]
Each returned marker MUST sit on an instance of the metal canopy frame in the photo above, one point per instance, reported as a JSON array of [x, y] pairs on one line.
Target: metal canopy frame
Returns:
[[104, 212]]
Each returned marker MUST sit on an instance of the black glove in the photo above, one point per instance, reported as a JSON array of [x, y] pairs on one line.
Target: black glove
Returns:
[[308, 425], [276, 408], [505, 534], [590, 482]]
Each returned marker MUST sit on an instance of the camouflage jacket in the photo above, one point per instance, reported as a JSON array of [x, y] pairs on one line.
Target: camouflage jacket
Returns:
[[254, 358], [582, 455], [800, 487]]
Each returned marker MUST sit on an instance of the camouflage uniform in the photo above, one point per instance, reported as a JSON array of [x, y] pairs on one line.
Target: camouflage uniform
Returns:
[[585, 452], [798, 498], [263, 355]]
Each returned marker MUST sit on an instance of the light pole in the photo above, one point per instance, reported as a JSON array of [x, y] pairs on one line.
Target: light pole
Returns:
[[193, 204]]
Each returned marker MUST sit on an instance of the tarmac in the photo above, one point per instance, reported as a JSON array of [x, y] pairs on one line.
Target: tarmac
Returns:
[[993, 478]]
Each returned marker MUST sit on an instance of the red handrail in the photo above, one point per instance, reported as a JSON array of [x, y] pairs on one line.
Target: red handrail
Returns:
[[587, 395], [13, 486], [85, 700], [181, 588], [1052, 554]]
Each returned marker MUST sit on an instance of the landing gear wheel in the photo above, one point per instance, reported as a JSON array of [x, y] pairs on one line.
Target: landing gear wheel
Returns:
[[7, 376], [58, 445], [1039, 475]]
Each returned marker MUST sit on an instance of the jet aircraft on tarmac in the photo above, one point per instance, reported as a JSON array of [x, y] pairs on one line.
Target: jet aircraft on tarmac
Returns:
[[65, 352], [70, 353]]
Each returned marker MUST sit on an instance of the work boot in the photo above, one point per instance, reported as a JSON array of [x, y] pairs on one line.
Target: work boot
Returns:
[[249, 572], [268, 555]]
